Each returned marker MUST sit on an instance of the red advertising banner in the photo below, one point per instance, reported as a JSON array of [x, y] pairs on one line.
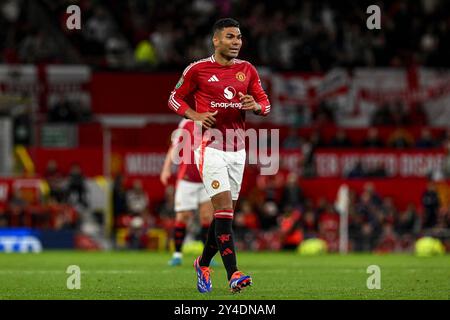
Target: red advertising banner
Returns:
[[29, 188], [137, 162], [334, 163]]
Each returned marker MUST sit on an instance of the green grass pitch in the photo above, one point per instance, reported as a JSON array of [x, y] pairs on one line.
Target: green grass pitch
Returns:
[[146, 275]]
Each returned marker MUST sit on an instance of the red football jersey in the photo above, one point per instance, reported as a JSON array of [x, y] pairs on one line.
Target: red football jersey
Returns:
[[187, 170], [215, 87]]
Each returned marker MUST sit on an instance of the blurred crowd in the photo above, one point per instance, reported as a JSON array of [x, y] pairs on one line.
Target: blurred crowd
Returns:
[[55, 205], [275, 214], [285, 35]]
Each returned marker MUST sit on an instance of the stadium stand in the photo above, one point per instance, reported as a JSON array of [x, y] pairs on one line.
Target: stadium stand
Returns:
[[364, 108]]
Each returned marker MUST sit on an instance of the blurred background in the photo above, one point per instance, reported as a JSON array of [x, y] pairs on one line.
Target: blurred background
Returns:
[[364, 120]]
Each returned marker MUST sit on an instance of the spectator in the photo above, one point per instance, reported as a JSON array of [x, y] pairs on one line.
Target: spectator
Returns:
[[268, 216], [16, 209], [341, 140], [406, 226], [406, 221], [292, 141], [76, 187], [246, 225], [145, 55], [418, 116], [291, 234], [388, 211], [137, 200], [308, 149], [250, 218], [375, 199], [324, 115], [292, 194], [309, 224], [55, 181], [166, 209], [118, 54], [370, 214], [388, 240], [368, 237], [446, 162], [378, 171], [400, 139], [137, 237], [329, 226], [357, 171], [431, 204], [38, 47], [308, 44], [399, 114], [99, 27], [373, 140], [119, 196], [426, 140], [382, 116]]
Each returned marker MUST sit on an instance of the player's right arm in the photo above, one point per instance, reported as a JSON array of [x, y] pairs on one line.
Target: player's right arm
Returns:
[[177, 100], [166, 171]]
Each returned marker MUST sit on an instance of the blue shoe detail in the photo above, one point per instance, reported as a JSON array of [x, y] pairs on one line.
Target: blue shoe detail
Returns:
[[175, 261], [239, 281], [203, 277]]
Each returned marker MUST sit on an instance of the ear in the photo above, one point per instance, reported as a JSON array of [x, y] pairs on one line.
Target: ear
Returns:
[[215, 39]]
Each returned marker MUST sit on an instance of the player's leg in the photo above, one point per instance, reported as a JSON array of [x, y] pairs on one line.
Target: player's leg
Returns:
[[206, 215], [184, 206], [235, 165], [223, 215], [181, 221], [206, 212], [213, 169]]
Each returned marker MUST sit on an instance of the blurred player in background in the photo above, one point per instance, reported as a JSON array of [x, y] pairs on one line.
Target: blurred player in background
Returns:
[[190, 194], [223, 88]]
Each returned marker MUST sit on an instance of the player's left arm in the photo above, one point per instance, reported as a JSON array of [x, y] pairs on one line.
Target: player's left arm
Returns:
[[256, 98]]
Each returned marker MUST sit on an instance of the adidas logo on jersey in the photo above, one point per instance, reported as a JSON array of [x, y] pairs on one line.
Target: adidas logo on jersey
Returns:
[[213, 79]]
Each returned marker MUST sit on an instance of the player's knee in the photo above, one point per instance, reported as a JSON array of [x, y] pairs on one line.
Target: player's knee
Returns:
[[206, 211], [222, 201], [182, 216], [206, 218]]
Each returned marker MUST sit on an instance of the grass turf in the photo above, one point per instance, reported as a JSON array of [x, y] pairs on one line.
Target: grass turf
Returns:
[[146, 275]]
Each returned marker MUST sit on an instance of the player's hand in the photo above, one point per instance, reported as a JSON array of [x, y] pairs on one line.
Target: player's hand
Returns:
[[249, 103], [164, 177], [206, 118]]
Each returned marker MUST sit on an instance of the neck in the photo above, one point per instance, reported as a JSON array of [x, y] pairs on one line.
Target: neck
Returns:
[[222, 60]]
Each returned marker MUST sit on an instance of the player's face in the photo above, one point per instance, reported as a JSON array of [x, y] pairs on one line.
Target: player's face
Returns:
[[228, 42]]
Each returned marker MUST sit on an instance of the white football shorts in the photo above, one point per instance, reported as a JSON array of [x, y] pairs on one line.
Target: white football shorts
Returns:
[[189, 195], [221, 170]]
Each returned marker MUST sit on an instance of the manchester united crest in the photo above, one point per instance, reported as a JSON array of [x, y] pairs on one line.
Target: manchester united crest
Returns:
[[240, 76], [215, 184]]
